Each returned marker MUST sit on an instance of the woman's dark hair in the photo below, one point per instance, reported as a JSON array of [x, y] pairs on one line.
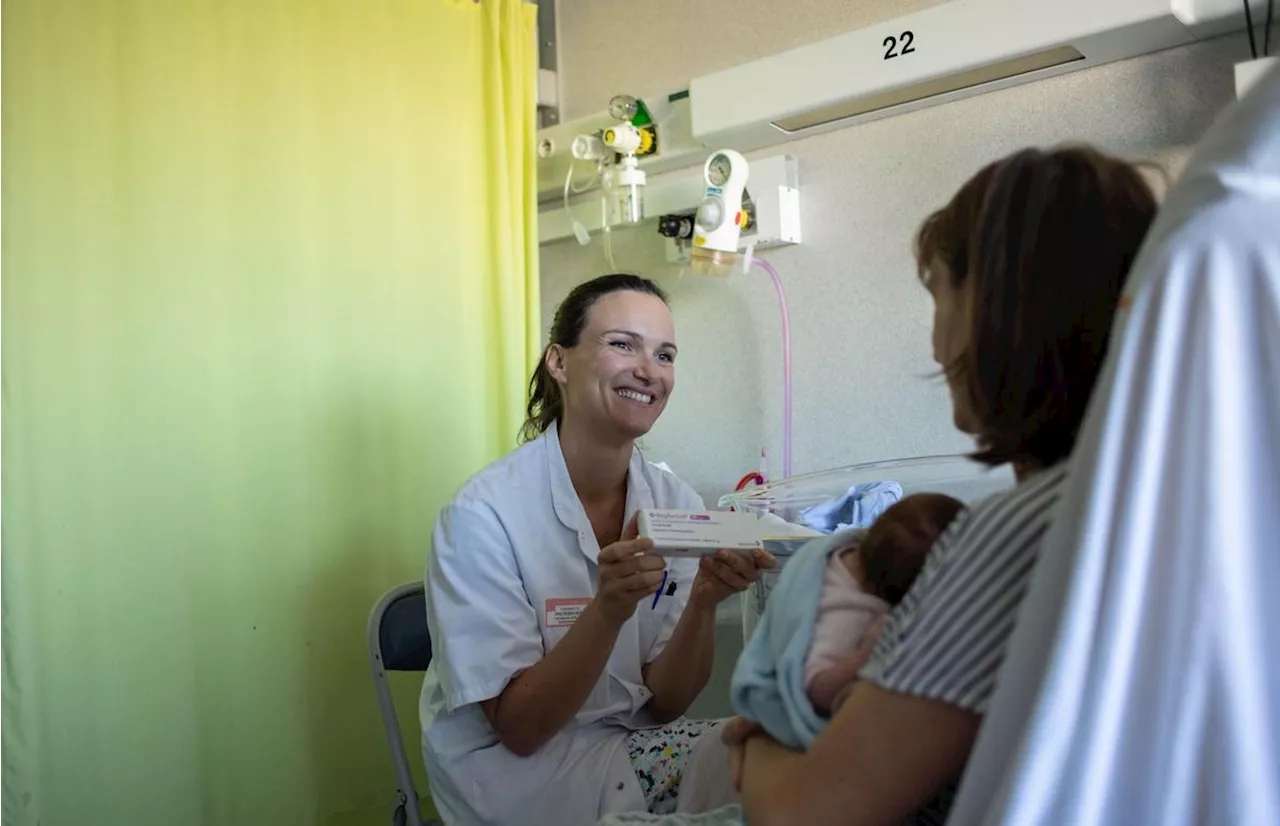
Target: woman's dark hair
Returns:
[[545, 403], [1044, 240]]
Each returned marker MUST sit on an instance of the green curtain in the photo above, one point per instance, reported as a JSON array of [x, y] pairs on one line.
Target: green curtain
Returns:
[[269, 296]]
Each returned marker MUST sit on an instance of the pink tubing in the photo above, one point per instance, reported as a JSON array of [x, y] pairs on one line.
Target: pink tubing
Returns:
[[786, 364]]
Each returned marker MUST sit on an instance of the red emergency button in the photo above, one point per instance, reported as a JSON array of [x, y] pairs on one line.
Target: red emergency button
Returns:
[[740, 219]]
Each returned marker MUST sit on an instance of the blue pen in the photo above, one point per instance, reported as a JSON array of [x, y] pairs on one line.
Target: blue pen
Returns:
[[662, 586]]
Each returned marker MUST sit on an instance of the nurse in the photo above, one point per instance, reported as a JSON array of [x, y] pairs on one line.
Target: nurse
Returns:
[[565, 651]]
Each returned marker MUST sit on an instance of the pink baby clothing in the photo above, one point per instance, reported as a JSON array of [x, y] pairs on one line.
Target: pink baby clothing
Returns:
[[845, 613]]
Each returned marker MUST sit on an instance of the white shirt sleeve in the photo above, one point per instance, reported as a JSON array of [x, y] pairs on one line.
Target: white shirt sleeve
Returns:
[[682, 571], [484, 631]]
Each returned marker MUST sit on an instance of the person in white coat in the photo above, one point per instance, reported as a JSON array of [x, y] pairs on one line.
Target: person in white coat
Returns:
[[565, 652]]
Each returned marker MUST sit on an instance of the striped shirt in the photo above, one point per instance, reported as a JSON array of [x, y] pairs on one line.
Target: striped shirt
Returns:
[[947, 638]]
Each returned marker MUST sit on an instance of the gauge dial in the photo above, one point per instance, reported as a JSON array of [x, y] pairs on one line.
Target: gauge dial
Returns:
[[718, 170]]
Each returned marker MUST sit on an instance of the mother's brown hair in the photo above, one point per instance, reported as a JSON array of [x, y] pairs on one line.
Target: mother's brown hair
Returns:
[[1044, 241]]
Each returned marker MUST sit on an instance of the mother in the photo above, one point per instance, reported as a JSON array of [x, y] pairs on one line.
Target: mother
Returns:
[[1025, 266], [562, 644]]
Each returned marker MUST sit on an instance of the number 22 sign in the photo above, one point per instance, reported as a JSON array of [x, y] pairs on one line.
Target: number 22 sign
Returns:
[[891, 43]]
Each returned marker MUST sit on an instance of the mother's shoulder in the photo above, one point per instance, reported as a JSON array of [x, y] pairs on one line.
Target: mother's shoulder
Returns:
[[1027, 505], [1043, 485]]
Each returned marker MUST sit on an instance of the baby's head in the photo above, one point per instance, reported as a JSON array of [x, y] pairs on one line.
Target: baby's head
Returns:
[[894, 549]]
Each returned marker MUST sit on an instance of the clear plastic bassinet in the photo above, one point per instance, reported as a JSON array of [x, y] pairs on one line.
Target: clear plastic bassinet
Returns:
[[955, 475]]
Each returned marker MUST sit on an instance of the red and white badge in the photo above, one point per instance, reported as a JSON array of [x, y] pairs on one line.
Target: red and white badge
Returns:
[[564, 612]]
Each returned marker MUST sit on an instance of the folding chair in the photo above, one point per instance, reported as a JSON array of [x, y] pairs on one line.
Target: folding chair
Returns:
[[399, 641]]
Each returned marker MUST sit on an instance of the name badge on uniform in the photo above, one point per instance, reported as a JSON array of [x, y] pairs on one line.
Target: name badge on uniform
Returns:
[[564, 612]]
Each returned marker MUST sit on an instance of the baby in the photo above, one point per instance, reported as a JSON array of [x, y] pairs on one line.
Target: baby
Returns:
[[815, 633], [819, 624], [862, 582]]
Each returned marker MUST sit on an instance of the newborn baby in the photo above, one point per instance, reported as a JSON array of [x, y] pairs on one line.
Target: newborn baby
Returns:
[[862, 582], [809, 643]]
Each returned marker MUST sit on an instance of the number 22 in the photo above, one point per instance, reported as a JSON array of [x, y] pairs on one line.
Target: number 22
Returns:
[[891, 42]]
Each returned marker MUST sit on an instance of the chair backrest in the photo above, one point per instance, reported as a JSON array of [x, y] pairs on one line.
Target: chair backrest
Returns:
[[403, 636], [399, 640]]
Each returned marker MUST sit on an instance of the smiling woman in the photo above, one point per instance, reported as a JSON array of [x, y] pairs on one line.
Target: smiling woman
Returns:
[[622, 313], [561, 641]]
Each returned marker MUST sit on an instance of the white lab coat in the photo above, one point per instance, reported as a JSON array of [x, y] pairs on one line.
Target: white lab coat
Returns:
[[1142, 685], [513, 557]]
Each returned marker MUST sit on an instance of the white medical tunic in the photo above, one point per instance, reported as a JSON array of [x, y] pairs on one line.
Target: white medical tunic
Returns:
[[513, 562], [1142, 685]]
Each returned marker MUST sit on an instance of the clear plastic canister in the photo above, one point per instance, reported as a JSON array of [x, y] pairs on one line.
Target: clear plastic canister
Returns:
[[707, 261], [629, 203]]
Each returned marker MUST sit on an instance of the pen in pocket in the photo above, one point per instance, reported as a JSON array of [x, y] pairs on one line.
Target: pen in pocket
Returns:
[[661, 586]]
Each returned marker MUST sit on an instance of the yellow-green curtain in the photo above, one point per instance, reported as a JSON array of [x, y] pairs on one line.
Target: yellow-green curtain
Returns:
[[269, 273]]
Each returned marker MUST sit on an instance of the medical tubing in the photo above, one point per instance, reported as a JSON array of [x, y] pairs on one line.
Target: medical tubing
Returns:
[[786, 363], [1248, 24], [606, 231], [1266, 29], [569, 187]]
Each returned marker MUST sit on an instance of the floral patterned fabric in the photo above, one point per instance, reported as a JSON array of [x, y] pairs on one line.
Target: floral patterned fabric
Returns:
[[658, 756]]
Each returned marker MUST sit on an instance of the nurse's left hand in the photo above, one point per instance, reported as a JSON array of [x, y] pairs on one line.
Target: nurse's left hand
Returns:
[[727, 573]]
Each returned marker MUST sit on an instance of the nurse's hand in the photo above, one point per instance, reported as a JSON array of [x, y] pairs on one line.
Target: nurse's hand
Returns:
[[727, 573], [628, 573]]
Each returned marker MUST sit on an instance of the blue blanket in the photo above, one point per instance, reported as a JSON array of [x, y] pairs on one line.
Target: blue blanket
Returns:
[[857, 508], [768, 681]]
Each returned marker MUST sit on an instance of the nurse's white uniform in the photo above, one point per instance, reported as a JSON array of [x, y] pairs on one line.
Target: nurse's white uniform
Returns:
[[513, 562], [1142, 685]]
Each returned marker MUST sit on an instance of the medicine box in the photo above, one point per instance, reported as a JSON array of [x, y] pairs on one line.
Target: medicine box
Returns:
[[700, 533]]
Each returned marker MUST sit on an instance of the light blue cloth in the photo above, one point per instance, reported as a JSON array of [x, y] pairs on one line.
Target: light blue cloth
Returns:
[[768, 681], [857, 508]]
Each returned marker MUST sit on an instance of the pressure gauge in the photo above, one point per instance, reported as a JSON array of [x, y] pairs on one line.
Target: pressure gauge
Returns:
[[720, 217], [718, 170]]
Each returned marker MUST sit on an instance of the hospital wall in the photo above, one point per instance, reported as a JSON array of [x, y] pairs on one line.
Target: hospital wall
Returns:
[[865, 387]]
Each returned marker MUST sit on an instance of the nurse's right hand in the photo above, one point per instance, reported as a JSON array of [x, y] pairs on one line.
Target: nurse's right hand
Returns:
[[628, 574]]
